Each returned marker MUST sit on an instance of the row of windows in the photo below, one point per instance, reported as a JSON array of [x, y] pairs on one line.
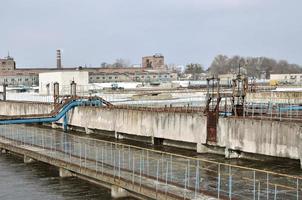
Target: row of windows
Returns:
[[18, 79], [137, 77], [292, 77]]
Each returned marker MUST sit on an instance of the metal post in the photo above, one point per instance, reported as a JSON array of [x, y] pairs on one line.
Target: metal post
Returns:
[[140, 172], [157, 169], [196, 178], [297, 189], [188, 173], [80, 154], [167, 171], [254, 184], [70, 151], [267, 186], [275, 196], [119, 163], [102, 159], [85, 154], [230, 182], [129, 165], [133, 167], [185, 190], [259, 190], [171, 163], [96, 159], [253, 110], [219, 179]]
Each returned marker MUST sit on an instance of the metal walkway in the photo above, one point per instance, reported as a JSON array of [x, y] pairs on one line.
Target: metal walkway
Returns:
[[156, 174]]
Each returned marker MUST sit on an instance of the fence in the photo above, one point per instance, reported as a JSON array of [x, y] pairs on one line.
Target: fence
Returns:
[[173, 175]]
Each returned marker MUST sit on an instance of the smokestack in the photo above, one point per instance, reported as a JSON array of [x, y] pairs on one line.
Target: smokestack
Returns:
[[59, 61]]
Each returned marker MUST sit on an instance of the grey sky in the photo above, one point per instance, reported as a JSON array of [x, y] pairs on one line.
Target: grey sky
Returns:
[[95, 31]]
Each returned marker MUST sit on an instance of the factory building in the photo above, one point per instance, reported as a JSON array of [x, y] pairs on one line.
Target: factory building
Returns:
[[7, 64], [152, 70]]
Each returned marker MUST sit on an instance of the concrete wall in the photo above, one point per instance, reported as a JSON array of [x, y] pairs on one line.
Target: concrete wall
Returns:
[[23, 108], [186, 127], [273, 138]]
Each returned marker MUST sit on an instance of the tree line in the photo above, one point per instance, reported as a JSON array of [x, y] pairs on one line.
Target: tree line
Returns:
[[252, 66]]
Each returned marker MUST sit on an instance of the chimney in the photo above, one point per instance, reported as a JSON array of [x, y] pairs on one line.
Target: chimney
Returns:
[[59, 61]]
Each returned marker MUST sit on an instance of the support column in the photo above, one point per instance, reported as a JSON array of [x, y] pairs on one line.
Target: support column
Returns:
[[64, 173], [65, 122], [27, 159], [118, 192]]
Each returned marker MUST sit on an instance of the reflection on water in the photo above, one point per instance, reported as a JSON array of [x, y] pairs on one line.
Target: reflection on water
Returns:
[[38, 181]]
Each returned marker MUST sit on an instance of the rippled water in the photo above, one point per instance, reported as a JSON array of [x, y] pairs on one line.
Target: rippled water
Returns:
[[38, 181]]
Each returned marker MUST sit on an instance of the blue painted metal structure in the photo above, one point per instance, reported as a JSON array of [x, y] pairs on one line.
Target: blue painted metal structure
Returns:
[[62, 113]]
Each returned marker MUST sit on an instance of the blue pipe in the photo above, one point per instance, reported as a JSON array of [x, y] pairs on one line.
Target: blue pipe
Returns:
[[62, 113]]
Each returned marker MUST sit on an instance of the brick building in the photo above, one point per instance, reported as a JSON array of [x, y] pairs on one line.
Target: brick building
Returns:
[[152, 70], [156, 61]]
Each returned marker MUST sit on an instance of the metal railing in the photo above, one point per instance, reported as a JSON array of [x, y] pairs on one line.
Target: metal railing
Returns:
[[176, 176]]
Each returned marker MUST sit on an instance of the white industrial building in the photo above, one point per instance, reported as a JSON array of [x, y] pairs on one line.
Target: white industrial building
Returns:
[[64, 78]]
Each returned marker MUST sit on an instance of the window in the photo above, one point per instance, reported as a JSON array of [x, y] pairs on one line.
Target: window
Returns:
[[98, 77], [116, 77], [110, 77], [103, 77]]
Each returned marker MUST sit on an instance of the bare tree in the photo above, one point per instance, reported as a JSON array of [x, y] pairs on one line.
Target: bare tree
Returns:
[[120, 63]]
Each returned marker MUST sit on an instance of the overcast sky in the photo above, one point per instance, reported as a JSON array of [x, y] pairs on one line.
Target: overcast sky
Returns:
[[94, 31]]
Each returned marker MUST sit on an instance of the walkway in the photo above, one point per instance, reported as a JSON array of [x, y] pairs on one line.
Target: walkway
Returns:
[[155, 174]]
